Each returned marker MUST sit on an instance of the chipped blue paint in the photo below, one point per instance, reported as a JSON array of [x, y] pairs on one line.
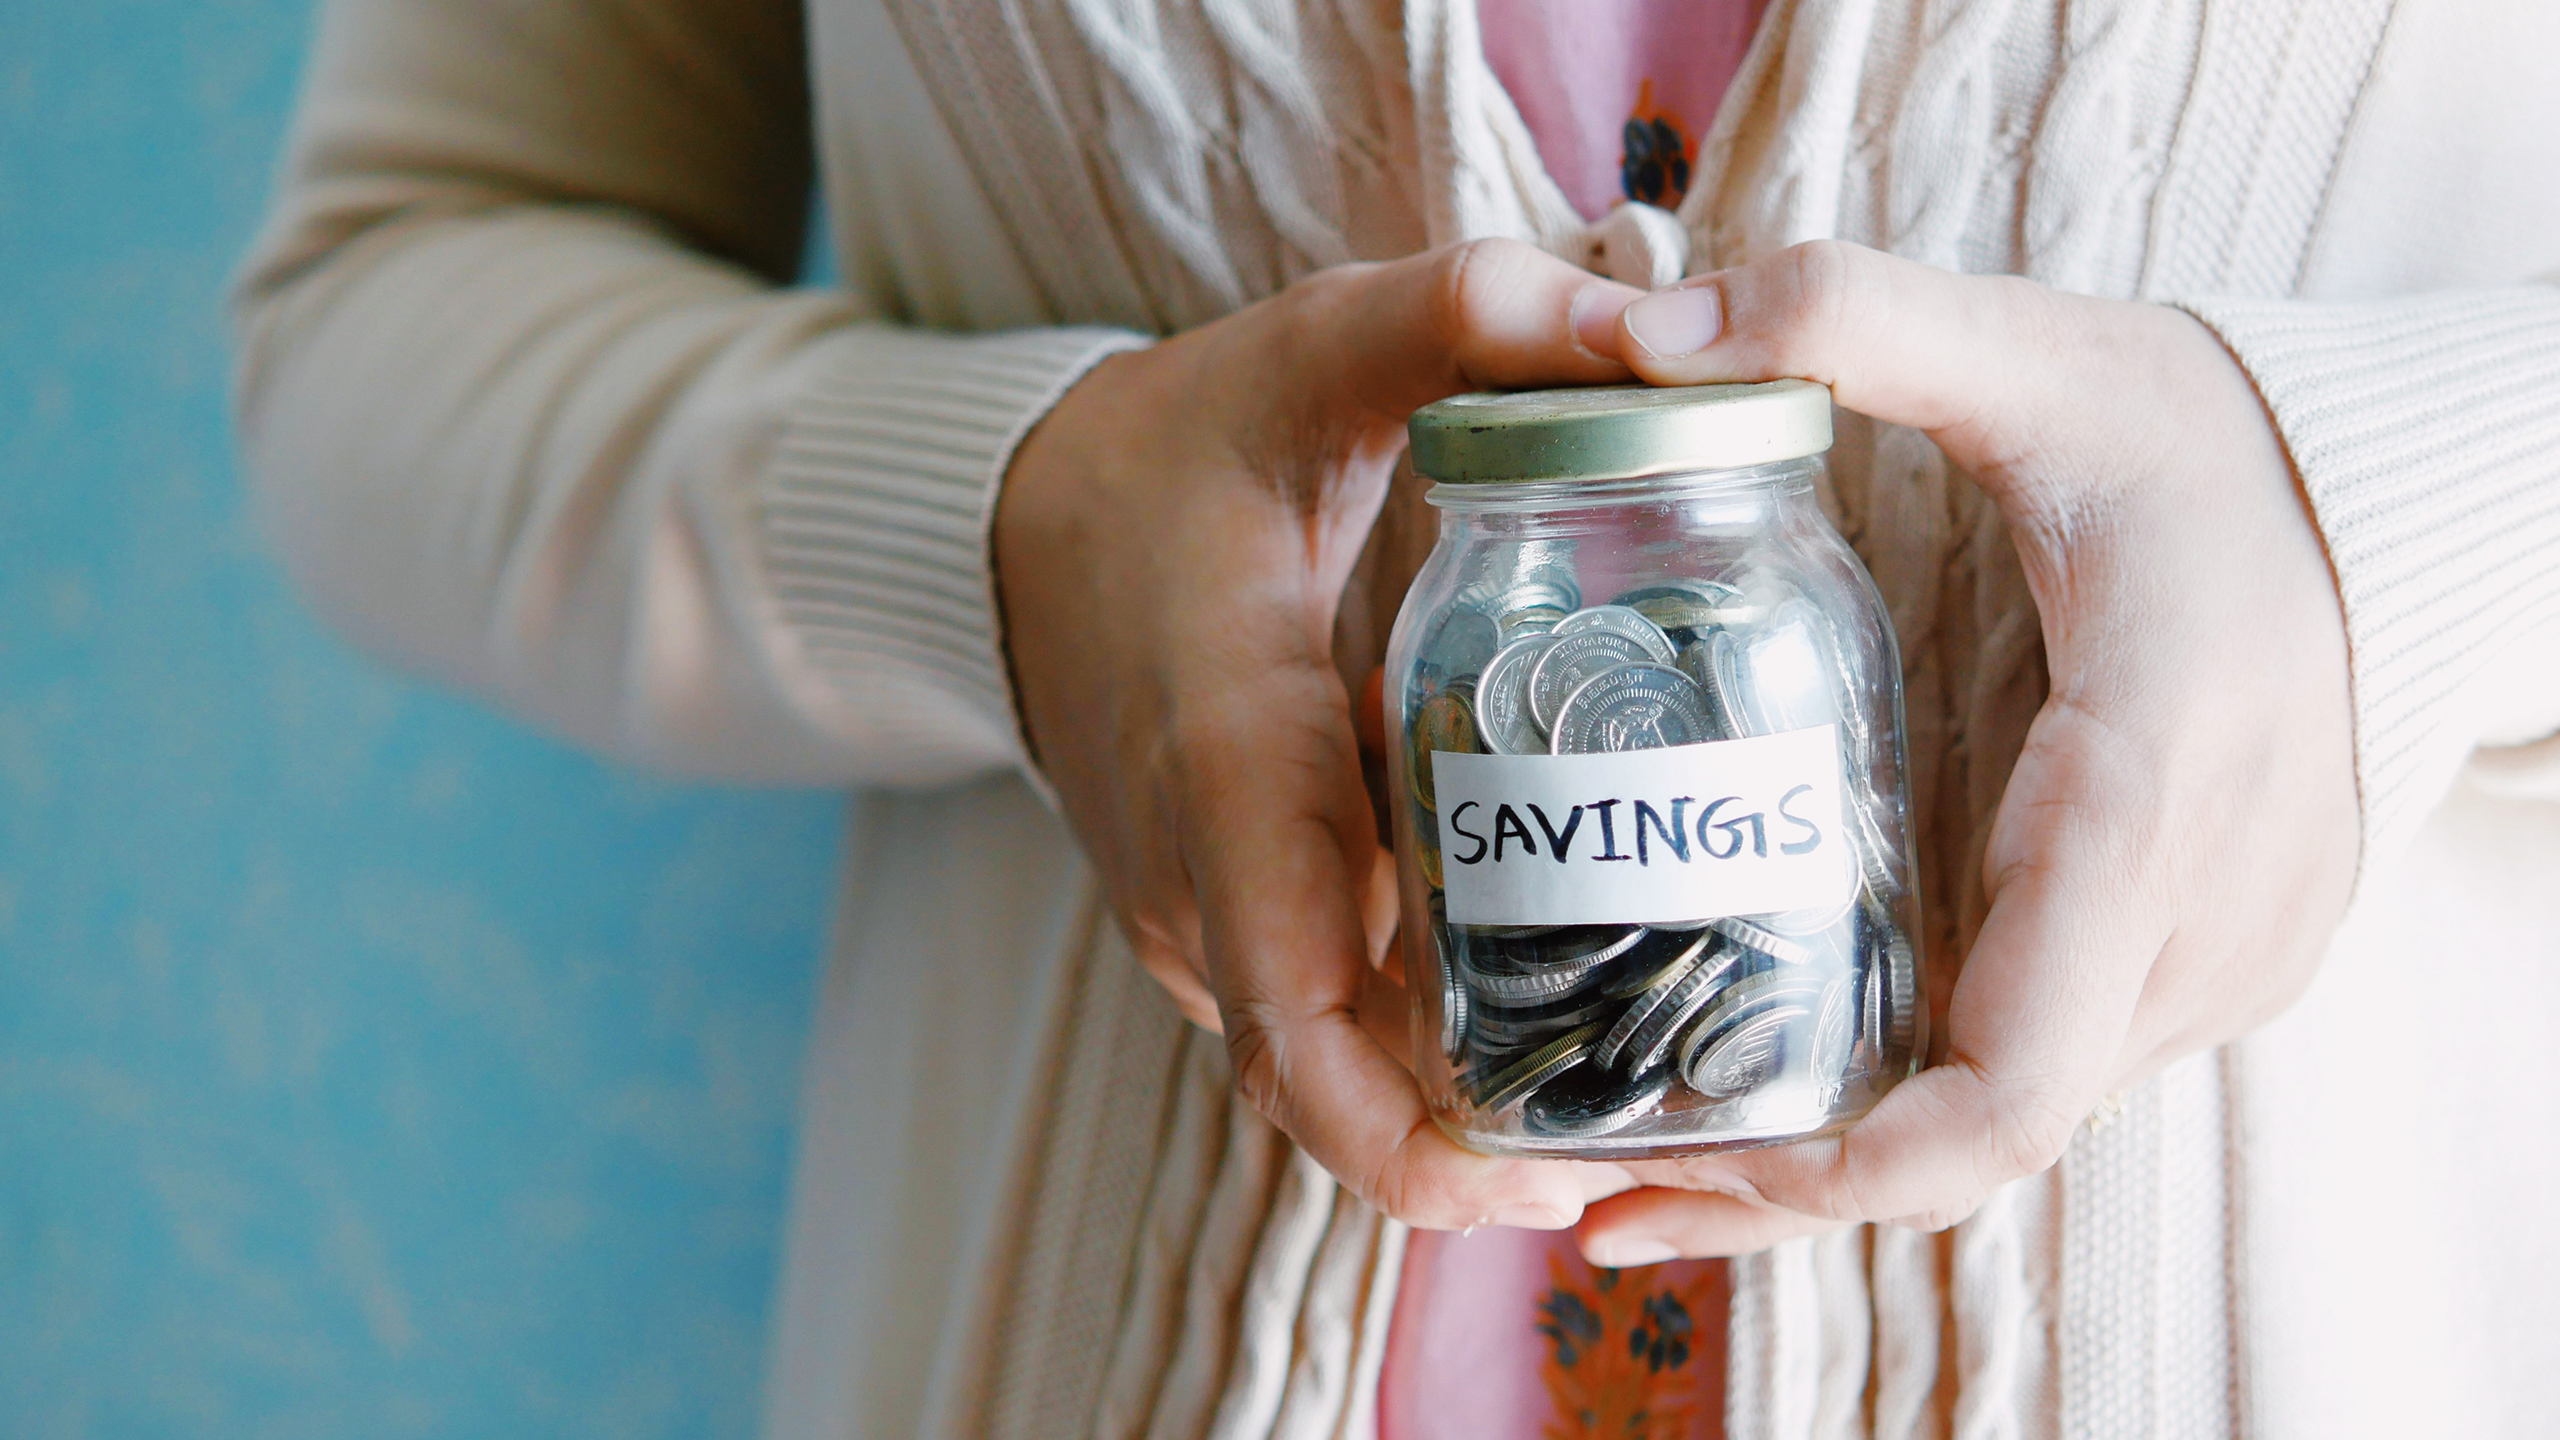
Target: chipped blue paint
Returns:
[[368, 1067]]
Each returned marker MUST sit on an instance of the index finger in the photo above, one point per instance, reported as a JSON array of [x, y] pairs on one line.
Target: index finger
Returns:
[[1273, 813], [2039, 1020]]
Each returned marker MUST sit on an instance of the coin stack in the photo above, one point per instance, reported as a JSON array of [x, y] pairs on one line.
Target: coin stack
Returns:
[[1590, 1029]]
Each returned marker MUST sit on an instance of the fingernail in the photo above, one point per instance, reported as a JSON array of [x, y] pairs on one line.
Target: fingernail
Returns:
[[1531, 1217], [1671, 323], [1594, 318], [1625, 1252]]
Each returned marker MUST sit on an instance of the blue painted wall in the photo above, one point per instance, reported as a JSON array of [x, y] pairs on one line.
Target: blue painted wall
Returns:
[[368, 1067]]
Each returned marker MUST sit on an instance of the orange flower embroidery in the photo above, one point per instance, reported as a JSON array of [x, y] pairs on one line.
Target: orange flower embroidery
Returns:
[[1654, 165], [1622, 1360]]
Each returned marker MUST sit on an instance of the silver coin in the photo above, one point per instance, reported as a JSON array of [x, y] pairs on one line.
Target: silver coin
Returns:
[[1700, 988], [1876, 858], [1531, 620], [1619, 620], [1686, 609], [1501, 1031], [1715, 662], [1661, 972], [1762, 939], [1502, 700], [1536, 1068], [1743, 1057], [1572, 659], [1902, 999], [1453, 1018], [1638, 706], [1698, 972], [1589, 1101], [1560, 947], [1529, 987], [1834, 1038], [1747, 997], [1461, 643]]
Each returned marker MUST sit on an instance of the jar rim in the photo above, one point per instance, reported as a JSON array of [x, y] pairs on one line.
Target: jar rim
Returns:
[[1615, 432], [1548, 493]]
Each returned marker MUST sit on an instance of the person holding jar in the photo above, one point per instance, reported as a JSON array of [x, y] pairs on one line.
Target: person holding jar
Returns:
[[2197, 383]]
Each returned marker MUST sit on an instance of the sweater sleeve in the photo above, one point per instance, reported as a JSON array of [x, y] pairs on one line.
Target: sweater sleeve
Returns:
[[528, 409], [2426, 431]]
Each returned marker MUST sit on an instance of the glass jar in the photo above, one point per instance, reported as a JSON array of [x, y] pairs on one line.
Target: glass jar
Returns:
[[1655, 858]]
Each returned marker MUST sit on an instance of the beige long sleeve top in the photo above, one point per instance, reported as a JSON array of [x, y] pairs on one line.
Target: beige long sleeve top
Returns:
[[531, 411]]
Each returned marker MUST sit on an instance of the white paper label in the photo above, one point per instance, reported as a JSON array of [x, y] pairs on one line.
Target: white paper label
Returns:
[[1730, 827]]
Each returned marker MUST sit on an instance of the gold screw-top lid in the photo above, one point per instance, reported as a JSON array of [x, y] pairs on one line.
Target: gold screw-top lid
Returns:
[[1618, 431]]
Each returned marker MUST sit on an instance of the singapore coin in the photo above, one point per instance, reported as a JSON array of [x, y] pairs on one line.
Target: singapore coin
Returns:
[[1744, 1056], [1536, 1068], [1446, 721], [1902, 1001], [1553, 947], [1687, 609], [1748, 997], [1496, 1029], [1876, 860], [1638, 706], [1498, 986], [1665, 1024], [1588, 1101], [1453, 1018], [1834, 1036], [1619, 620], [1502, 700], [1696, 972], [1646, 972], [1531, 620], [1715, 662], [1572, 659], [1760, 938]]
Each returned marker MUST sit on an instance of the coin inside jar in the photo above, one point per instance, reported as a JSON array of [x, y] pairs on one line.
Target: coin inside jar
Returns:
[[1572, 659], [1502, 699], [1744, 1056], [1536, 1068], [1587, 1100], [1445, 721], [1638, 706], [1619, 620]]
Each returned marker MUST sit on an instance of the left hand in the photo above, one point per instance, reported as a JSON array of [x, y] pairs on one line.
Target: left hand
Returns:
[[2180, 834]]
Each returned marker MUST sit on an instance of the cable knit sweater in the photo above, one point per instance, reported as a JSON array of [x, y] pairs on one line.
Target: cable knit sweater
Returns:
[[530, 414]]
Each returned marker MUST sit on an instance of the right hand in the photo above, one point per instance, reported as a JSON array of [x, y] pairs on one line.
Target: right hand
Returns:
[[1172, 547]]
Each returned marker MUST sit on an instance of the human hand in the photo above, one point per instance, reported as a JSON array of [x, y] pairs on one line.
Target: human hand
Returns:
[[1172, 545], [2180, 834]]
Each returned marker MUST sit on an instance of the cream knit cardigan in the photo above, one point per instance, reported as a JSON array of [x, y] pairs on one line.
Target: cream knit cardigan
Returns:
[[528, 416]]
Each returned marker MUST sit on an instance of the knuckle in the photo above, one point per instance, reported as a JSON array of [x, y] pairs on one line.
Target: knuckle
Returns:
[[1258, 1057], [1466, 283], [1824, 293], [2027, 1136]]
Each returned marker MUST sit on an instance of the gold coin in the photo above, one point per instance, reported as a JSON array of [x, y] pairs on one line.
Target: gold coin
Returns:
[[1444, 722], [1429, 855]]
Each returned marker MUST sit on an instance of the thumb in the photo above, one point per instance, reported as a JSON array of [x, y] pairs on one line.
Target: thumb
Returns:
[[1965, 358], [1487, 314]]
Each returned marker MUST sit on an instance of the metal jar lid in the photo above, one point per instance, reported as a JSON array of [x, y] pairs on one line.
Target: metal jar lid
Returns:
[[1618, 431]]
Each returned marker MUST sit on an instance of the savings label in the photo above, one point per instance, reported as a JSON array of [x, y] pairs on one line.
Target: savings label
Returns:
[[1692, 832]]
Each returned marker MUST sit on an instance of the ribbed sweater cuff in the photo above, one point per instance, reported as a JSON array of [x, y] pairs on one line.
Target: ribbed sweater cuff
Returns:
[[2427, 434], [874, 511]]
